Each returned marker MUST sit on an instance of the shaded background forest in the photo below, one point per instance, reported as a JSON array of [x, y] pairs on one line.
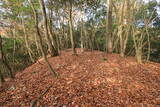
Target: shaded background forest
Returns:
[[134, 31]]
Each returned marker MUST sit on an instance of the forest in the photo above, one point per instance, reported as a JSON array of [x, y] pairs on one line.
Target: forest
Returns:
[[79, 53]]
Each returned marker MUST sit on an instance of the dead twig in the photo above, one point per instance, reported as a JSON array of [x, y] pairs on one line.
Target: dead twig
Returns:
[[33, 102]]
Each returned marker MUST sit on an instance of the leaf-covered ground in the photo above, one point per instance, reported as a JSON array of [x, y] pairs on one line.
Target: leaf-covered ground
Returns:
[[91, 79]]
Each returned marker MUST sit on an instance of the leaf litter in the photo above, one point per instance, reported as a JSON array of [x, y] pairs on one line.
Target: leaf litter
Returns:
[[91, 79]]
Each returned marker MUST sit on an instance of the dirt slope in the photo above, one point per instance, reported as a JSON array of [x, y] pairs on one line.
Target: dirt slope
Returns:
[[91, 79]]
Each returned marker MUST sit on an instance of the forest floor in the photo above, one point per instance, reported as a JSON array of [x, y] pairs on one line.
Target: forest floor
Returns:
[[91, 79]]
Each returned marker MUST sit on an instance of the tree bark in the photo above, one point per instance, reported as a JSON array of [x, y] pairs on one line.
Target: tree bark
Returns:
[[109, 43], [51, 47], [4, 60], [1, 62], [124, 26], [52, 34], [27, 44], [40, 39], [71, 30], [14, 48], [1, 78], [37, 45], [82, 36]]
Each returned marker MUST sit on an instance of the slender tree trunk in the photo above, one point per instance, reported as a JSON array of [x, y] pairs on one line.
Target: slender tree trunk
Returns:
[[1, 78], [91, 41], [93, 37], [109, 44], [40, 39], [86, 46], [52, 34], [37, 45], [4, 60], [139, 56], [62, 44], [26, 41], [51, 47], [82, 36], [8, 67], [1, 62], [58, 43], [82, 30], [124, 28], [71, 30], [14, 48], [138, 48], [65, 44]]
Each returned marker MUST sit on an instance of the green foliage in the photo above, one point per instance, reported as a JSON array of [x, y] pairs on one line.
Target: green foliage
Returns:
[[8, 44], [94, 21], [21, 57], [147, 11]]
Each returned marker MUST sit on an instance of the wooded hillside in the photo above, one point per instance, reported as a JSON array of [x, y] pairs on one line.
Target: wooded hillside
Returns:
[[97, 52]]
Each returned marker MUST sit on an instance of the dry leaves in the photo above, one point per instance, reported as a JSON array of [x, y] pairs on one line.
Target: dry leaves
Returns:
[[86, 80]]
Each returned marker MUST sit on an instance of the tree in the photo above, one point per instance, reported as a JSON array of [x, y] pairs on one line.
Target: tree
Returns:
[[26, 41], [4, 62], [71, 29], [1, 62], [109, 44], [52, 50], [40, 39]]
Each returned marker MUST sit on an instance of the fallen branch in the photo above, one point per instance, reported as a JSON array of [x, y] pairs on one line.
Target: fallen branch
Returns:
[[33, 102]]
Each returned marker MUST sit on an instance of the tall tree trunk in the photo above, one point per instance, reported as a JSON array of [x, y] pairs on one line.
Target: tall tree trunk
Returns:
[[86, 46], [14, 48], [51, 47], [1, 62], [82, 35], [109, 43], [64, 44], [71, 30], [90, 41], [52, 34], [4, 60], [37, 45], [124, 26], [1, 78], [93, 37], [40, 39], [8, 67], [27, 44], [82, 39], [82, 30]]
